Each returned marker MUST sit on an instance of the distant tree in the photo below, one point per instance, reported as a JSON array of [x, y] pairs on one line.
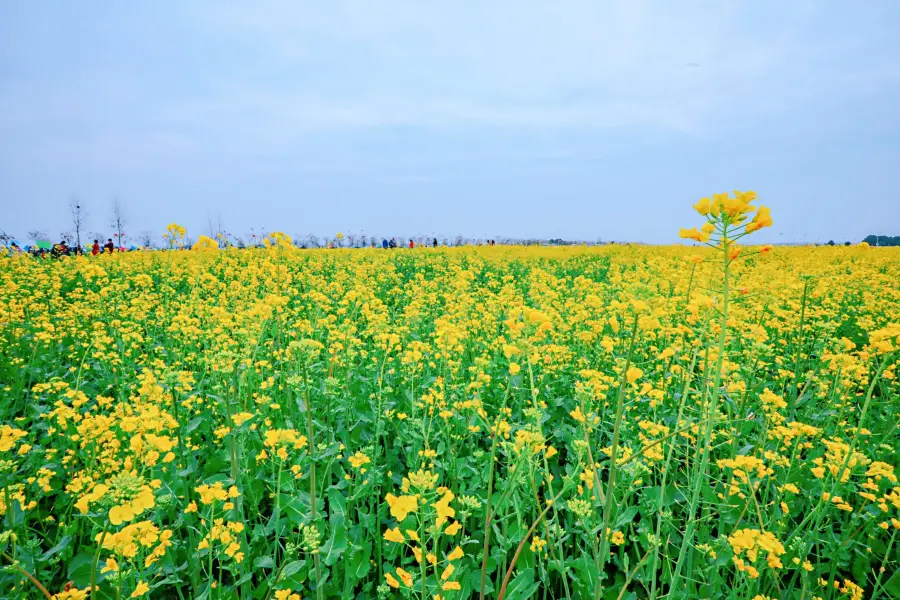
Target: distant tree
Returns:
[[5, 239], [882, 240], [39, 235], [312, 241], [79, 216], [68, 237], [846, 243], [831, 242], [256, 236], [117, 221], [145, 239], [215, 226]]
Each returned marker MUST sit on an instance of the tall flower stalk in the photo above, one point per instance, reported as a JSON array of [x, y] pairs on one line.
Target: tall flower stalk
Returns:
[[726, 223]]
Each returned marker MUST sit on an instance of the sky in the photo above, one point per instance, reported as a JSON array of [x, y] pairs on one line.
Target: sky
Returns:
[[588, 120]]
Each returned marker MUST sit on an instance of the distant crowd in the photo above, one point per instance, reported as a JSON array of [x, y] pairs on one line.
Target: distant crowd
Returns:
[[58, 250], [48, 250], [390, 245]]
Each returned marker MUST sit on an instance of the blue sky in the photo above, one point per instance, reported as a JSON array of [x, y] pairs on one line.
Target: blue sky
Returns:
[[576, 119]]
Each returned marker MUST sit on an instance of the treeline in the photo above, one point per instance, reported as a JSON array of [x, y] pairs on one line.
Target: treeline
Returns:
[[882, 240]]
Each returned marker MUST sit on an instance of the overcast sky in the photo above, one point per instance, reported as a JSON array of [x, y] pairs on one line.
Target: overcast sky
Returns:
[[575, 119]]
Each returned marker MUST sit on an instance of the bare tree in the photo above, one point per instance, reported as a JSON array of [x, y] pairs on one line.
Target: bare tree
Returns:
[[118, 221], [5, 239], [145, 239], [79, 216], [215, 227], [256, 237], [39, 235]]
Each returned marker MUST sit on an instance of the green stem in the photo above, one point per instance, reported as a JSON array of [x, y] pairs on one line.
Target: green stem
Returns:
[[487, 511], [375, 468], [31, 577], [876, 587], [817, 512], [93, 587], [799, 344], [613, 462], [662, 486], [531, 529], [712, 409], [549, 475], [312, 483]]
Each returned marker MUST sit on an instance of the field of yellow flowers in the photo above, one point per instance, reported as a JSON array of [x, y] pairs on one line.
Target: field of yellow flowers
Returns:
[[616, 422]]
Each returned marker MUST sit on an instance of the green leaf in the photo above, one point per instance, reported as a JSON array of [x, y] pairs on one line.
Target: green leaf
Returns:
[[651, 495], [892, 585], [194, 424], [332, 450], [522, 586], [298, 508], [62, 545], [722, 558], [861, 567], [366, 520], [358, 566], [337, 544], [626, 516], [337, 503], [475, 581], [586, 572], [80, 569], [291, 568], [263, 562], [526, 558]]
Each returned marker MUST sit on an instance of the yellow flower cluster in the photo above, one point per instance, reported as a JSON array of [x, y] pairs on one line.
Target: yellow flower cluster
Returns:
[[371, 420], [204, 243], [752, 542], [723, 211], [223, 533], [130, 539]]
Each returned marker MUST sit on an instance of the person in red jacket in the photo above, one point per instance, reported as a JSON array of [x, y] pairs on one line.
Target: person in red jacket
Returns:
[[95, 249], [411, 245]]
